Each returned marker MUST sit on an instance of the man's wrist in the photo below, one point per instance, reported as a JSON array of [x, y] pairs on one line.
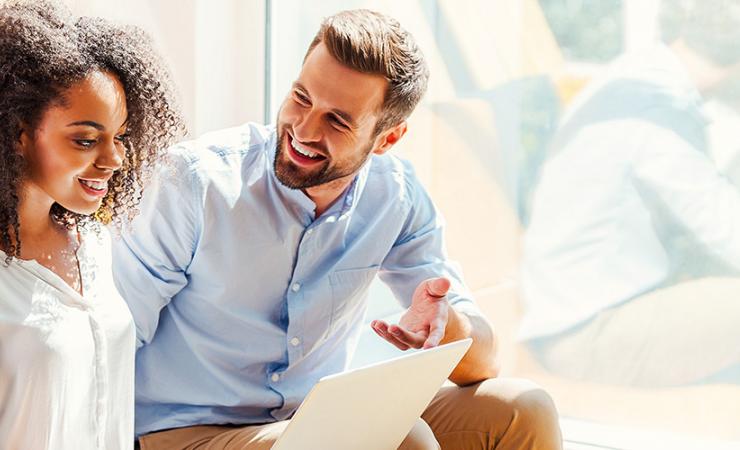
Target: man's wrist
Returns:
[[458, 326]]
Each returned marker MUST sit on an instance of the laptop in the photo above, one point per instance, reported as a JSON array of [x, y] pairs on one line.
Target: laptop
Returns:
[[372, 407]]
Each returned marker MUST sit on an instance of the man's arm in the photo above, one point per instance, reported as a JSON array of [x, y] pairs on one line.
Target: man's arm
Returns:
[[150, 258], [481, 361], [440, 307]]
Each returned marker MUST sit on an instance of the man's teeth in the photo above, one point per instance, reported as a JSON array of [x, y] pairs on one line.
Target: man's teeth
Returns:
[[97, 185], [303, 151]]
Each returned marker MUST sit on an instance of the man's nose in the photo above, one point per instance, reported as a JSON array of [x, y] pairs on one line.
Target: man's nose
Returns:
[[308, 128]]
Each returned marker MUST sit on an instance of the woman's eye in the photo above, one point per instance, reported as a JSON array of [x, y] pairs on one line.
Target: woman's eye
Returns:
[[86, 143], [122, 137]]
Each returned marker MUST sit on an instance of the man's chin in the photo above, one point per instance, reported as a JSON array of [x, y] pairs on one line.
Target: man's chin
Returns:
[[291, 176], [289, 182]]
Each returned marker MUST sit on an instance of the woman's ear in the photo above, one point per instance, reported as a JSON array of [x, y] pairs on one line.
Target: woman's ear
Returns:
[[24, 142]]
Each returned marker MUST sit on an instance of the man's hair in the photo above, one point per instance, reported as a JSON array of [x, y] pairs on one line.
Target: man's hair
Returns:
[[374, 43]]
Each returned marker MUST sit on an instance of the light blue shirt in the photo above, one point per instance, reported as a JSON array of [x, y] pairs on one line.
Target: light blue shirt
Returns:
[[242, 301]]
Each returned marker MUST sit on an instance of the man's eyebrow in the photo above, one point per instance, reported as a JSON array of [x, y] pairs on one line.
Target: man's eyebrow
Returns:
[[87, 123], [297, 85]]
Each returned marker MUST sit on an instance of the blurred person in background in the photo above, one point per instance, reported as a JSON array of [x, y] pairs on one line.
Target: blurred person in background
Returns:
[[631, 258]]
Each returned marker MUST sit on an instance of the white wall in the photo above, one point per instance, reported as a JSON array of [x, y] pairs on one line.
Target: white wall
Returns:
[[215, 50]]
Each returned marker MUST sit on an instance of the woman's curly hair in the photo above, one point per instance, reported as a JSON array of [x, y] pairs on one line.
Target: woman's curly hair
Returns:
[[44, 50]]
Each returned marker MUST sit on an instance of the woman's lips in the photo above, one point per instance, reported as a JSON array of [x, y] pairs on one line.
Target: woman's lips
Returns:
[[95, 188]]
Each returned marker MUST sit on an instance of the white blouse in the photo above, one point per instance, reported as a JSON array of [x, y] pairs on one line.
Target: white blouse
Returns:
[[66, 360]]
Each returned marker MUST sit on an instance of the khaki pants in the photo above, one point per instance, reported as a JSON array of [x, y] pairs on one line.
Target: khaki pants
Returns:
[[684, 334], [497, 414]]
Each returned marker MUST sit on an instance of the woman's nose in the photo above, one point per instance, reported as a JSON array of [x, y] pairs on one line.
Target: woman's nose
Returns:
[[111, 157]]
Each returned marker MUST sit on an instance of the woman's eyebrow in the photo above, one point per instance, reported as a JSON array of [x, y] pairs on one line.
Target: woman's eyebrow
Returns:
[[87, 123]]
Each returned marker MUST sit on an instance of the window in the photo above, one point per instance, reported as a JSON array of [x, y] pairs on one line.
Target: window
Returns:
[[589, 175], [216, 52]]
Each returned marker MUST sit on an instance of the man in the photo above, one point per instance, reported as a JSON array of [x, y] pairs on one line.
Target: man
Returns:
[[248, 271], [632, 254]]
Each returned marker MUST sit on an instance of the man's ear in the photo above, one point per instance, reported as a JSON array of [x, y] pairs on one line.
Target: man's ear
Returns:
[[389, 137]]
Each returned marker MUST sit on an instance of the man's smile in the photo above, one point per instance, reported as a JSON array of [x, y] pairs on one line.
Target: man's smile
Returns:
[[301, 155]]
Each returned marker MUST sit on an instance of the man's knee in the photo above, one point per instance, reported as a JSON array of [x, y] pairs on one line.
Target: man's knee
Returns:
[[501, 413], [420, 437], [525, 407]]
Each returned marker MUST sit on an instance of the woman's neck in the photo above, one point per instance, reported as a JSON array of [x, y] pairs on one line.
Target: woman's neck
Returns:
[[34, 213]]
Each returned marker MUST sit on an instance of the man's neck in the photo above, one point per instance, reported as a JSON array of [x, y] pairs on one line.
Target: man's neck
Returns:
[[325, 195]]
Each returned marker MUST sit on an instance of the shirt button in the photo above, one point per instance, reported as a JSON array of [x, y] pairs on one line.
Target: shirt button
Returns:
[[296, 287], [275, 377], [295, 341]]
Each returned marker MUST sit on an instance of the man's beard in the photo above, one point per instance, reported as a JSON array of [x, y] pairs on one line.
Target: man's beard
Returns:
[[292, 177]]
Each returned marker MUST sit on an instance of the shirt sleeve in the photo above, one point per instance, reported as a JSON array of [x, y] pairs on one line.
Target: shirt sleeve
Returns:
[[419, 252], [151, 257], [687, 185]]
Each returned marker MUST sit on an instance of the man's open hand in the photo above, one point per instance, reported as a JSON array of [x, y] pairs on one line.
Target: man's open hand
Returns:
[[423, 324]]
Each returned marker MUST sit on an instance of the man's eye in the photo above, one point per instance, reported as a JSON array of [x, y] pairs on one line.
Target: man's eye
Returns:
[[302, 99], [338, 123]]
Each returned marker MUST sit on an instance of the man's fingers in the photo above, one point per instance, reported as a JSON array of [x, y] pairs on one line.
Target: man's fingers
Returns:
[[414, 340], [399, 336], [381, 329], [437, 287], [436, 333]]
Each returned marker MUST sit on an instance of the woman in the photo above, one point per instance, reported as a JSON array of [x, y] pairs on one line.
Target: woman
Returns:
[[85, 111]]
